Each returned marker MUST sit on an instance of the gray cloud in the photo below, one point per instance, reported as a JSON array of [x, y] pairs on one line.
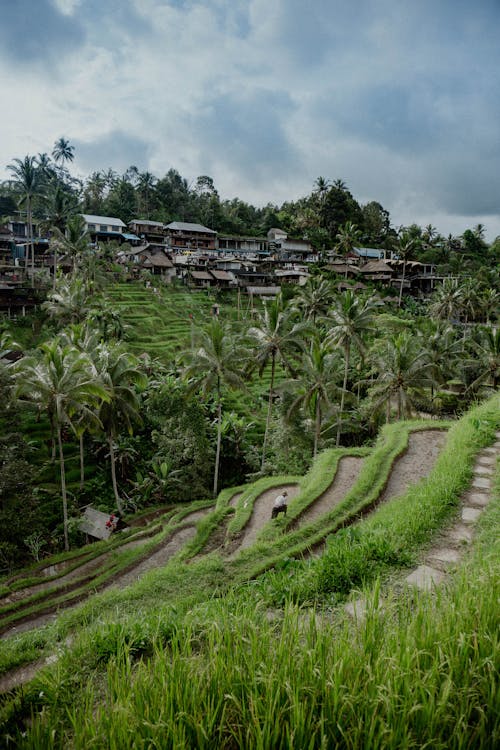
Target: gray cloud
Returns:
[[35, 31], [246, 132], [117, 150]]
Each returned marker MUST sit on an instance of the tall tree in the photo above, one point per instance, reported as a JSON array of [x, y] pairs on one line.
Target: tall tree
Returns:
[[405, 248], [347, 237], [60, 381], [351, 318], [216, 361], [120, 373], [63, 151], [29, 181], [403, 367], [314, 387], [274, 339]]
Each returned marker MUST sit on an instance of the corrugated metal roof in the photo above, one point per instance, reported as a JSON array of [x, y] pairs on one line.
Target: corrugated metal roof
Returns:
[[184, 226], [91, 219]]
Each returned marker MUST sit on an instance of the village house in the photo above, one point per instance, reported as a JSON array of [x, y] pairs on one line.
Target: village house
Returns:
[[153, 232], [107, 228], [186, 237]]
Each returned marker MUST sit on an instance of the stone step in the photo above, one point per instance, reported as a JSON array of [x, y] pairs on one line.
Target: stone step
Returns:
[[471, 515], [490, 451], [486, 460], [445, 556], [477, 499], [425, 578], [460, 534], [481, 483], [483, 471]]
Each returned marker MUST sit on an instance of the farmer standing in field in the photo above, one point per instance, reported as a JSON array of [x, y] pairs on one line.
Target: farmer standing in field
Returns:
[[280, 504]]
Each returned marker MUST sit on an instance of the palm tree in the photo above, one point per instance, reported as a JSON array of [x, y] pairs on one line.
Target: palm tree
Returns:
[[146, 183], [487, 357], [68, 303], [315, 385], [347, 237], [216, 361], [63, 151], [403, 366], [314, 298], [61, 381], [274, 339], [447, 301], [405, 247], [351, 318], [29, 180], [119, 372]]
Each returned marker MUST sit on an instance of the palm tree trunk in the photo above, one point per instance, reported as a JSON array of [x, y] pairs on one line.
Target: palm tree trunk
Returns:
[[55, 268], [82, 463], [402, 284], [113, 474], [63, 489], [344, 387], [317, 430], [269, 410], [219, 440]]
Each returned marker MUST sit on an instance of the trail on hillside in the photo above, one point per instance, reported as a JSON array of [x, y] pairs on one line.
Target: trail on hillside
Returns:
[[261, 514], [415, 463], [346, 475]]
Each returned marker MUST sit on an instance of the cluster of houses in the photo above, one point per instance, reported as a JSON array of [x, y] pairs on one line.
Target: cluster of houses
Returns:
[[201, 258]]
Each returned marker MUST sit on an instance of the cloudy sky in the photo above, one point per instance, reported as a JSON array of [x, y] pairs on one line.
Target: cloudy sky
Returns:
[[398, 98]]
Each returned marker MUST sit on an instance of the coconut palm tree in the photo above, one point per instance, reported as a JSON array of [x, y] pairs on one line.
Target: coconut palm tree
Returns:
[[63, 151], [351, 318], [313, 299], [405, 248], [273, 340], [402, 366], [215, 362], [347, 237], [29, 181], [487, 358], [314, 387], [61, 382], [121, 376], [447, 301], [68, 303]]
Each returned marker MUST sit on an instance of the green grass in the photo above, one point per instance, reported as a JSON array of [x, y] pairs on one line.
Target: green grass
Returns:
[[199, 656]]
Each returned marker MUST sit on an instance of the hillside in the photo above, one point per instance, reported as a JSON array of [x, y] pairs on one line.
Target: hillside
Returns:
[[194, 585]]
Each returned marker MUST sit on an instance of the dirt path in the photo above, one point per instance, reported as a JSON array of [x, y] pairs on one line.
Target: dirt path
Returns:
[[347, 472], [155, 560], [450, 547], [261, 514], [416, 463]]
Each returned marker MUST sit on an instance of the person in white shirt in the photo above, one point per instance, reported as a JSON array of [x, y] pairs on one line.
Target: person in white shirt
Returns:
[[280, 504]]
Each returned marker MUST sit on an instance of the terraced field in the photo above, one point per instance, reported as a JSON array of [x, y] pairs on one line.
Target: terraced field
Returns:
[[33, 599]]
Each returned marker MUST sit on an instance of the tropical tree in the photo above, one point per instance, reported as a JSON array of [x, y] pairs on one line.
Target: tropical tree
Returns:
[[29, 181], [274, 339], [313, 299], [68, 303], [487, 358], [347, 237], [215, 362], [63, 151], [405, 248], [315, 385], [121, 376], [402, 366], [351, 318], [447, 301], [61, 382]]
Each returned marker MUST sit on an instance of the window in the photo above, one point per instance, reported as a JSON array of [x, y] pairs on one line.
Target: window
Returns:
[[115, 229], [103, 227], [91, 227]]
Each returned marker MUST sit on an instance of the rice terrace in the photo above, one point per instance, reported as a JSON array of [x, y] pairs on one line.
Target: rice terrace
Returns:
[[249, 485]]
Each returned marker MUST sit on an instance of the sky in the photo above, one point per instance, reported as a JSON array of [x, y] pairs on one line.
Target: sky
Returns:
[[398, 98]]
